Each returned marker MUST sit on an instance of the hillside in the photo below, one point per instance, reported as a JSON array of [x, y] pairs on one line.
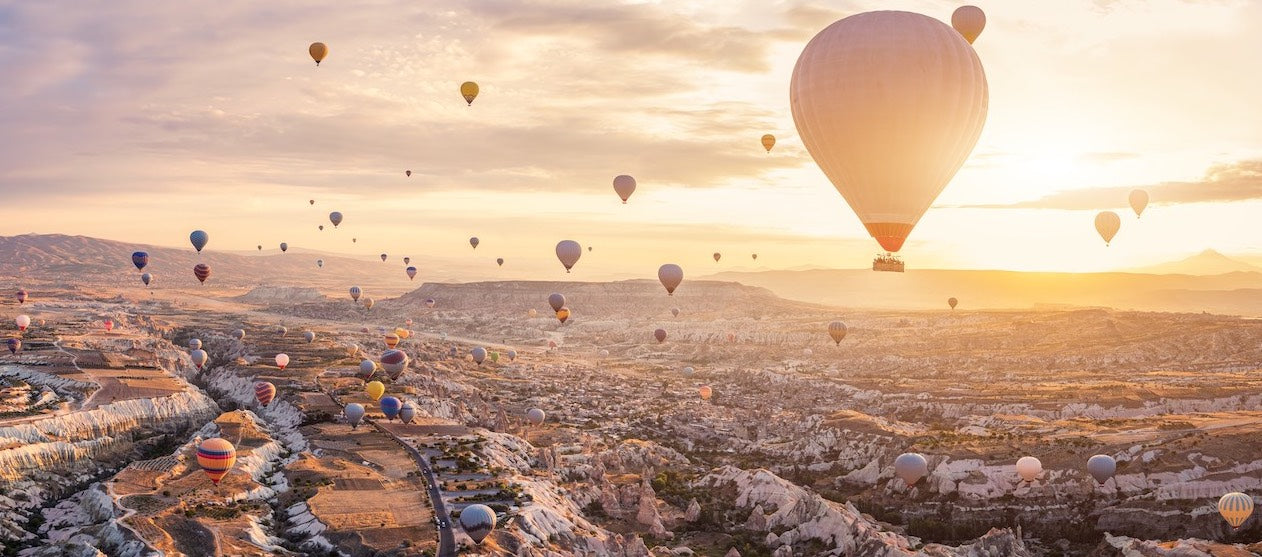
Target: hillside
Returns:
[[1208, 262]]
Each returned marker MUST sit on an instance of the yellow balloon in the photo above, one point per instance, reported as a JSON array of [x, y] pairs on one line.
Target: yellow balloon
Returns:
[[563, 314], [392, 340], [318, 52], [403, 333], [1235, 508], [375, 390], [469, 90], [768, 141], [1107, 223]]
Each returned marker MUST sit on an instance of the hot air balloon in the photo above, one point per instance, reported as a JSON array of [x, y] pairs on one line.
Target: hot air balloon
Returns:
[[260, 247], [674, 312], [282, 360], [199, 239], [281, 331], [969, 21], [383, 257], [354, 413], [479, 354], [952, 302], [499, 261], [22, 322], [624, 186], [1029, 468], [808, 352], [311, 201], [309, 336], [194, 344], [495, 357], [408, 173], [403, 333], [202, 272], [706, 392], [264, 392], [670, 276], [512, 355], [552, 344], [238, 334], [320, 263], [556, 300], [21, 297], [394, 362], [477, 521], [407, 260], [368, 303], [688, 371], [216, 457], [109, 325], [474, 242], [146, 278], [717, 256], [873, 92], [1139, 200], [318, 51], [1107, 223], [353, 240], [531, 313], [469, 90], [408, 322], [407, 413], [837, 330], [535, 416], [140, 259], [910, 467], [335, 218], [1235, 508], [660, 335], [429, 303], [375, 389], [367, 367], [754, 256], [768, 141], [603, 353], [390, 406], [320, 228], [1101, 467], [568, 252], [355, 292], [14, 345], [411, 271], [392, 340], [563, 314]]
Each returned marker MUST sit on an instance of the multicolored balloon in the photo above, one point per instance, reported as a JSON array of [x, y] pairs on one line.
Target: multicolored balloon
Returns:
[[264, 392], [390, 406], [477, 521], [282, 360], [216, 456], [202, 272], [140, 259]]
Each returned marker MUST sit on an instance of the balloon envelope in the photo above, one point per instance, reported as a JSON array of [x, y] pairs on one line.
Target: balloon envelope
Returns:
[[216, 457], [146, 278], [318, 52], [264, 392], [768, 141], [140, 259], [910, 467], [1107, 223], [199, 358], [469, 90], [556, 300], [22, 321], [390, 406], [1029, 468], [355, 293], [624, 186], [1235, 508], [411, 271], [284, 247], [309, 336], [282, 360], [1139, 200], [706, 392], [335, 218], [479, 355], [407, 413], [568, 252], [367, 367], [1101, 467], [394, 362], [14, 345], [660, 335], [474, 242], [670, 276], [952, 302], [563, 314], [194, 343], [199, 238], [837, 330], [969, 21], [238, 334], [535, 416], [392, 340], [202, 272], [354, 412], [477, 521]]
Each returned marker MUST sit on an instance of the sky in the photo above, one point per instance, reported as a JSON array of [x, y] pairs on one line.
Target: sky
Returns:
[[140, 121]]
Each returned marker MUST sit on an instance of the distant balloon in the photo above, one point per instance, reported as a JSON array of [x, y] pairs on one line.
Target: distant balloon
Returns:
[[109, 325], [321, 227], [674, 312], [952, 302], [403, 333], [22, 322], [375, 389], [969, 21], [383, 257], [754, 256], [281, 331], [535, 416], [717, 256], [392, 340], [603, 353], [556, 300], [411, 271], [140, 259], [284, 247], [264, 392], [407, 413], [706, 392], [355, 292], [202, 272], [495, 357], [837, 330], [768, 141], [1236, 508], [367, 367], [1107, 223], [394, 362], [624, 186], [216, 456], [512, 355], [429, 303], [1101, 467], [689, 371], [353, 240], [808, 352], [499, 261], [354, 413], [335, 218], [660, 335], [911, 467], [568, 252], [309, 336], [1139, 200], [320, 263], [479, 355], [282, 360], [1029, 468], [146, 278], [194, 343], [14, 345], [368, 303], [531, 313], [469, 90], [408, 173], [199, 239], [260, 247], [311, 201], [238, 334], [407, 260], [563, 314], [318, 52], [477, 521], [552, 344], [670, 276], [474, 242]]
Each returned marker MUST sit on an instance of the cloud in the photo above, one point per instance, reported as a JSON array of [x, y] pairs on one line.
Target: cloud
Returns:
[[1239, 181]]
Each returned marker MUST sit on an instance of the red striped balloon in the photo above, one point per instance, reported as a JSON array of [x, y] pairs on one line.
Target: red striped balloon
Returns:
[[216, 456], [265, 392], [202, 272]]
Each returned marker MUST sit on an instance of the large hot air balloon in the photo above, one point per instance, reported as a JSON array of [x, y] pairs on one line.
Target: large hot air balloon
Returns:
[[216, 457], [499, 261], [969, 21], [660, 335], [383, 257], [1029, 468], [535, 416], [556, 300], [22, 322], [282, 360], [563, 314], [952, 302], [1139, 200], [146, 278], [318, 51], [265, 392], [367, 367], [199, 358], [889, 104], [309, 336], [14, 345], [1236, 508], [910, 467], [354, 413], [355, 292], [624, 186], [238, 334], [837, 330], [568, 252], [469, 90], [706, 392], [407, 413], [477, 521], [199, 239], [202, 272], [394, 362], [670, 275], [474, 242], [1101, 467], [411, 271], [375, 389], [392, 340], [479, 355], [140, 259], [1107, 223], [194, 344], [335, 218], [390, 406], [768, 141]]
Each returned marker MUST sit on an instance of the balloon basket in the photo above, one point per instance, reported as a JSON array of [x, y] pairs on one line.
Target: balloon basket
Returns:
[[888, 263]]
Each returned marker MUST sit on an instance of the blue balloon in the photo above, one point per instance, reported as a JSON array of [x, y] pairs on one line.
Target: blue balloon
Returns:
[[140, 259], [199, 239], [390, 407]]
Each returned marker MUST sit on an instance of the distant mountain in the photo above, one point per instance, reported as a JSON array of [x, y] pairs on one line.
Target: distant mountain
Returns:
[[1208, 262]]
